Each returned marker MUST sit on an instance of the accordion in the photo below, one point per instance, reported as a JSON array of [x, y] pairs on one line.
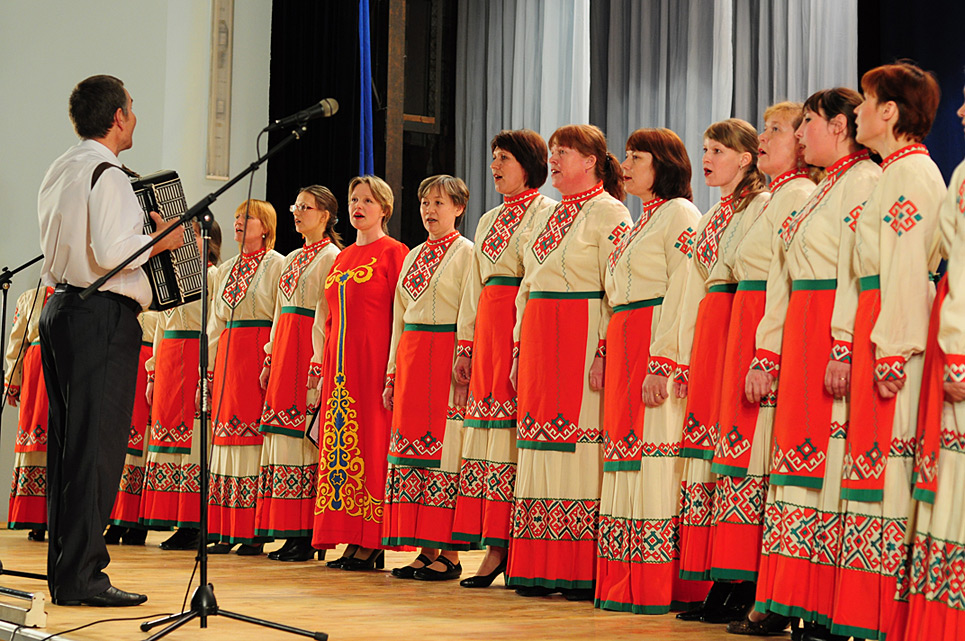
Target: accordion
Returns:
[[175, 275]]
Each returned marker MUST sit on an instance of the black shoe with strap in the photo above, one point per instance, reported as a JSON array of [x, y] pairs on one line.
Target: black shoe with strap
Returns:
[[452, 571], [346, 555], [407, 571], [375, 561]]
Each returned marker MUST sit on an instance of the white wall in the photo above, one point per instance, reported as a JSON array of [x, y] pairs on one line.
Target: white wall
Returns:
[[159, 48]]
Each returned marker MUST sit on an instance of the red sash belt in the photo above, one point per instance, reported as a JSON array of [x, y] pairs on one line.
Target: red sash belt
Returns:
[[552, 370], [423, 378], [802, 421], [628, 352], [706, 364], [930, 406], [738, 416]]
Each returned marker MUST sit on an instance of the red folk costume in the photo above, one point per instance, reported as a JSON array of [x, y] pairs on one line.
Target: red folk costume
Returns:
[[638, 556], [239, 325], [895, 248], [25, 379], [803, 329], [354, 436], [744, 442], [172, 475], [487, 315], [127, 504], [561, 323], [705, 318], [936, 601], [289, 461], [426, 442]]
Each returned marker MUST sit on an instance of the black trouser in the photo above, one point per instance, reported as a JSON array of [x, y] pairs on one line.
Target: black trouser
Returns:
[[89, 351]]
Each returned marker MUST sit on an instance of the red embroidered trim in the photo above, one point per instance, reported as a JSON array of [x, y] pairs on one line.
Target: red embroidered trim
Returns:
[[649, 208], [579, 199], [954, 368], [841, 352], [390, 380], [314, 369], [464, 348], [289, 279], [890, 368], [910, 150], [767, 362], [787, 177], [682, 374], [601, 349], [706, 246], [516, 349], [505, 224], [661, 366], [416, 280]]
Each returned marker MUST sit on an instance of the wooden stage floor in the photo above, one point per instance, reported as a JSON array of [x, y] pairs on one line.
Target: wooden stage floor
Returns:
[[349, 606]]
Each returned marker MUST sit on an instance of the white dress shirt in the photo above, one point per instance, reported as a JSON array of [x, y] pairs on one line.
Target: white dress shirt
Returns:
[[85, 233]]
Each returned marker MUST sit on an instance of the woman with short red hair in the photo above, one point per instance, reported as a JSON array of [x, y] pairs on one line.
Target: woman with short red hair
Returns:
[[895, 252]]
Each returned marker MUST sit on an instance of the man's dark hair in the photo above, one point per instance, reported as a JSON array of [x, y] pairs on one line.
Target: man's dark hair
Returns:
[[93, 103]]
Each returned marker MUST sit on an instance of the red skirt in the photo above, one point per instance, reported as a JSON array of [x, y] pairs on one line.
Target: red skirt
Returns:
[[872, 417], [802, 421], [706, 365], [236, 395], [141, 416], [127, 504], [738, 416], [32, 427], [484, 506], [286, 399], [175, 391], [628, 353], [28, 494]]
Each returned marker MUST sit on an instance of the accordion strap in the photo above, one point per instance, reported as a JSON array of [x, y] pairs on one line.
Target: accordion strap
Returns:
[[104, 166]]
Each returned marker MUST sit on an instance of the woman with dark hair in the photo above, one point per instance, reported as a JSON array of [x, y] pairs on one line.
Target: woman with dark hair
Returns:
[[172, 468], [730, 163], [242, 307], [289, 461], [895, 250], [641, 491], [487, 315], [427, 403], [812, 335], [354, 429], [740, 458], [934, 608], [561, 323]]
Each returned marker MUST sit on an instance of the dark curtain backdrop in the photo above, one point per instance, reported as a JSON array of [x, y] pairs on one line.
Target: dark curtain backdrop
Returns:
[[315, 55], [891, 30]]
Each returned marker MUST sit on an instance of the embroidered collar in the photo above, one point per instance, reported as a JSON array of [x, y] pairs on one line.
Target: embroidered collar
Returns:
[[908, 150], [314, 247], [520, 199], [445, 240], [649, 208], [255, 254], [844, 164], [578, 199], [787, 177]]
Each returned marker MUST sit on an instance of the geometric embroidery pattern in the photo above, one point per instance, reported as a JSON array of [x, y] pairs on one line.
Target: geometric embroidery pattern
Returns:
[[31, 437], [698, 435], [558, 430], [801, 458], [490, 409], [240, 277], [287, 482], [556, 519], [560, 221], [29, 480], [937, 571], [487, 480], [696, 503], [659, 450], [961, 198], [733, 445], [740, 500], [172, 477], [233, 492], [638, 540], [706, 247], [902, 216], [416, 280], [426, 446], [289, 278], [624, 240], [132, 480], [627, 448], [421, 486], [851, 219], [801, 532], [685, 242], [235, 428], [873, 544], [290, 420], [507, 221]]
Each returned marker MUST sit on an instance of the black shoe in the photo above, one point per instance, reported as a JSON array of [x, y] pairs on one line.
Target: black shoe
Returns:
[[134, 536], [37, 535], [113, 534], [535, 590], [735, 606], [109, 598], [577, 594], [408, 572], [220, 548], [346, 555], [375, 561], [250, 549], [302, 550], [184, 538], [452, 571], [284, 549], [484, 580], [713, 602], [771, 624]]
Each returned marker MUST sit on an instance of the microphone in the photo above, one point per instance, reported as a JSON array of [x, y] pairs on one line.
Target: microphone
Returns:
[[323, 109]]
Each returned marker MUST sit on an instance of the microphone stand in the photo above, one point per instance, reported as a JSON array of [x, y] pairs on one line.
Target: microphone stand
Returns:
[[6, 279], [203, 602]]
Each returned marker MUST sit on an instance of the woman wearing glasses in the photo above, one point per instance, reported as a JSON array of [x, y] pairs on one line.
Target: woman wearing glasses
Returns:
[[289, 461]]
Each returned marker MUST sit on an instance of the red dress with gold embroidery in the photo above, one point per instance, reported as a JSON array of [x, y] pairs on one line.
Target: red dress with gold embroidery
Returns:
[[354, 435]]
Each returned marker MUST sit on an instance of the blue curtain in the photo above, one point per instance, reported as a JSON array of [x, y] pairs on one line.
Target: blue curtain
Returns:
[[366, 143]]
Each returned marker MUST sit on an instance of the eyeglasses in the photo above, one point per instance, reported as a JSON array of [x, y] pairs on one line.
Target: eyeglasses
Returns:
[[295, 208]]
